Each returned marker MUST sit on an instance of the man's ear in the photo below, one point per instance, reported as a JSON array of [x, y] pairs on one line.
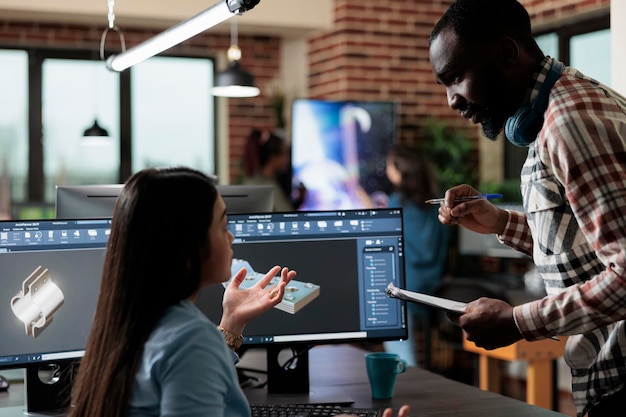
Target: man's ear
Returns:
[[507, 53]]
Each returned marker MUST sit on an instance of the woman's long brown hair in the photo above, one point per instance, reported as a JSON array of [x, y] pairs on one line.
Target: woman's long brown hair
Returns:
[[160, 226]]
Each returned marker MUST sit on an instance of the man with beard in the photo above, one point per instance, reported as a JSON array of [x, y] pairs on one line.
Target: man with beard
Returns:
[[573, 185]]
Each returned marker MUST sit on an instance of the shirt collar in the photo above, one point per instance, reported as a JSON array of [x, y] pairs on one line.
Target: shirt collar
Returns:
[[539, 77]]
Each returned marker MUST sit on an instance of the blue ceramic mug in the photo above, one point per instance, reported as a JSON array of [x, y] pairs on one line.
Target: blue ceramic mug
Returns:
[[382, 369]]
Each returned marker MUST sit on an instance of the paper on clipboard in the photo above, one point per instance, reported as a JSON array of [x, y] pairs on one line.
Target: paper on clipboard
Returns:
[[429, 300]]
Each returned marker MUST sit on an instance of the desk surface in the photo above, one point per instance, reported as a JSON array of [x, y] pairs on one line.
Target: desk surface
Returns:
[[430, 394], [342, 367]]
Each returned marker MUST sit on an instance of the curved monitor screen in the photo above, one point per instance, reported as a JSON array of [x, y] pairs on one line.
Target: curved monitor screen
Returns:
[[344, 261]]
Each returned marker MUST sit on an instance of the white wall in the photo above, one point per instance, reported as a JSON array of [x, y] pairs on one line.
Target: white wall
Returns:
[[618, 51]]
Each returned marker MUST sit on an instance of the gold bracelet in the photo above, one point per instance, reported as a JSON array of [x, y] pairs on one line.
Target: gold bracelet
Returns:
[[234, 342]]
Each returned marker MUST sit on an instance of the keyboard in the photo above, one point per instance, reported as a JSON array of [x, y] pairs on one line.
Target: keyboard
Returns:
[[309, 410]]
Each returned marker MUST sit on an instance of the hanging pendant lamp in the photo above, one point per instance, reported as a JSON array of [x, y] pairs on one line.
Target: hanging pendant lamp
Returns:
[[95, 130], [91, 134], [234, 81]]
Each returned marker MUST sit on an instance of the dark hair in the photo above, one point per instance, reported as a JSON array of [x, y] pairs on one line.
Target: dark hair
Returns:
[[418, 178], [261, 145], [487, 21], [159, 234]]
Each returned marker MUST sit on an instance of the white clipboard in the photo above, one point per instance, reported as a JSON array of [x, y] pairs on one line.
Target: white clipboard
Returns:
[[429, 300]]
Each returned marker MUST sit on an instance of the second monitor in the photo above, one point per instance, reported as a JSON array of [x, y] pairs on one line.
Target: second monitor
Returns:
[[98, 200], [344, 261]]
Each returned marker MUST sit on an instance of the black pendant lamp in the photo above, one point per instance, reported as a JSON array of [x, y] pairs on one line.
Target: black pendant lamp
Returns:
[[95, 130], [234, 81]]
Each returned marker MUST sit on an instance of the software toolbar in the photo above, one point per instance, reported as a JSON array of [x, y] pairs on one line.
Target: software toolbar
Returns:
[[19, 236], [277, 224]]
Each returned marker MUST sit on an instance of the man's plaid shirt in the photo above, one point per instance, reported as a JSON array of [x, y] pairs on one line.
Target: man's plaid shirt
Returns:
[[574, 226]]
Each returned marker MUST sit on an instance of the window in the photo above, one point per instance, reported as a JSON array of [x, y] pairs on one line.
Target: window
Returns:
[[74, 94], [591, 54], [13, 127], [580, 44], [158, 113], [172, 113]]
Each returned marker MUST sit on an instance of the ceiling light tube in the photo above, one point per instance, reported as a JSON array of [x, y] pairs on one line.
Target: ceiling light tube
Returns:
[[210, 17]]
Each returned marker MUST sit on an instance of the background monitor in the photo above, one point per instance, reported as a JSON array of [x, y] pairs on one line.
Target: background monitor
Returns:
[[86, 201], [89, 201], [50, 273], [338, 151], [247, 198], [344, 261]]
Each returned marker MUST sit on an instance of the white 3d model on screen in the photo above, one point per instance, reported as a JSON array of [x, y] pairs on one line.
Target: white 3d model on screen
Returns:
[[37, 302]]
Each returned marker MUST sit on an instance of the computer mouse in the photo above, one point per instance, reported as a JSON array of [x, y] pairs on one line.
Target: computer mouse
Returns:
[[4, 383]]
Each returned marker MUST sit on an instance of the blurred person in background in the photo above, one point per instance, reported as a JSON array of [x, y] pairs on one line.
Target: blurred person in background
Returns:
[[266, 162], [426, 239]]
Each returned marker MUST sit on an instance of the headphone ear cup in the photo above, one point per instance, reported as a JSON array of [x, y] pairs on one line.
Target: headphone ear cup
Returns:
[[521, 129]]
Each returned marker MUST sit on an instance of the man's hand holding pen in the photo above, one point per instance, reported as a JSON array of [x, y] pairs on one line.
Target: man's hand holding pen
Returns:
[[476, 214], [487, 322], [466, 198]]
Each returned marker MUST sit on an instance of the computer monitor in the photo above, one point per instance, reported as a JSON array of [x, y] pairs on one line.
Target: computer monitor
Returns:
[[338, 151], [247, 198], [344, 261], [50, 273], [88, 201]]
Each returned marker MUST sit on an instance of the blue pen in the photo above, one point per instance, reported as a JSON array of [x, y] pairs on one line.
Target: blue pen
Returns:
[[467, 198]]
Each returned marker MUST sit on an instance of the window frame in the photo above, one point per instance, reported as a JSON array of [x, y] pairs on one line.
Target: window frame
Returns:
[[36, 57], [566, 32]]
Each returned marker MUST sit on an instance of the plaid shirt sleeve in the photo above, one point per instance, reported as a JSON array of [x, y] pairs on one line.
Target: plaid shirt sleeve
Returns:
[[517, 234]]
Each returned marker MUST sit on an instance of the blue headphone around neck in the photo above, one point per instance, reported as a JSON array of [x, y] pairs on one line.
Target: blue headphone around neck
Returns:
[[522, 128]]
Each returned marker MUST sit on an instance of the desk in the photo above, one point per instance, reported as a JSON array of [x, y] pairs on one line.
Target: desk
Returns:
[[343, 367], [539, 355], [428, 394]]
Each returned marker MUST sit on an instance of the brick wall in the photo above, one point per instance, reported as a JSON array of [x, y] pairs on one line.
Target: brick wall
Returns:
[[379, 51], [260, 56]]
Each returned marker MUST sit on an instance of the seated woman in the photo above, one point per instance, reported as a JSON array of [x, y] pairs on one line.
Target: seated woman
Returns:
[[151, 351]]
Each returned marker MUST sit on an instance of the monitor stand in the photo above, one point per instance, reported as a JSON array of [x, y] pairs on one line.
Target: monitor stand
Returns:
[[48, 388], [290, 384]]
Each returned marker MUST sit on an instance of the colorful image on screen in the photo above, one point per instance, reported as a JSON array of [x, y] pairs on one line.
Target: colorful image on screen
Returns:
[[339, 150]]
